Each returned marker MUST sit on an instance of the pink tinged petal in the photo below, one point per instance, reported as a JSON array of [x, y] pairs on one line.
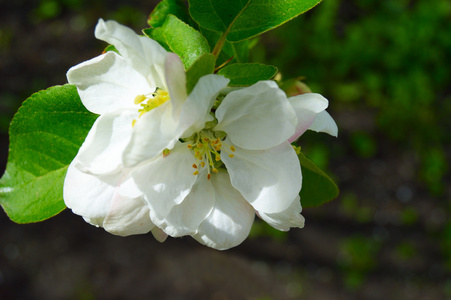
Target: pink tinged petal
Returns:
[[128, 216], [257, 117], [306, 106], [89, 196], [268, 179], [102, 151], [145, 55], [185, 218], [284, 220], [153, 132], [230, 221], [196, 110], [159, 234], [107, 83], [164, 181], [324, 123], [176, 81]]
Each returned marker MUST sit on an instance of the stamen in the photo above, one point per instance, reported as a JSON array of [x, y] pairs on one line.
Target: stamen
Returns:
[[196, 172]]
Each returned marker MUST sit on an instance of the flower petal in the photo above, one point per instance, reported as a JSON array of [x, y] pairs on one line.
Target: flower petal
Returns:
[[324, 123], [257, 117], [101, 152], [153, 132], [128, 216], [145, 55], [196, 110], [230, 221], [164, 181], [185, 218], [310, 101], [306, 107], [269, 179], [284, 220], [159, 234], [176, 81], [107, 83]]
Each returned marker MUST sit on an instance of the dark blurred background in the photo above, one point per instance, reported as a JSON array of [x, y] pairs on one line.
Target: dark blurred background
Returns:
[[385, 66]]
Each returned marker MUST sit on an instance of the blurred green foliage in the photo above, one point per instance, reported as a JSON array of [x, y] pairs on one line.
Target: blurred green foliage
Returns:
[[389, 56]]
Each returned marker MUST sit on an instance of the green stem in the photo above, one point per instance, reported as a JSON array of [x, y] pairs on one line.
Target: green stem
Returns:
[[220, 43], [222, 39]]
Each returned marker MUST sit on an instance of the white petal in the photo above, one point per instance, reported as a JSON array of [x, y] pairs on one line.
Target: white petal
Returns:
[[324, 123], [257, 117], [102, 151], [231, 219], [306, 107], [128, 216], [159, 234], [269, 179], [153, 132], [291, 217], [305, 120], [185, 218], [145, 55], [176, 81], [107, 83], [196, 110], [310, 101], [164, 181], [88, 195]]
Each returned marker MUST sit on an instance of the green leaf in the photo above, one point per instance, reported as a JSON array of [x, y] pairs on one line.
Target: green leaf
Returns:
[[168, 7], [247, 74], [243, 19], [317, 187], [203, 66], [45, 136], [180, 38]]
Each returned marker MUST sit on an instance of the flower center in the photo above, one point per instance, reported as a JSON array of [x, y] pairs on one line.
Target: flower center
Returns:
[[207, 148], [150, 101]]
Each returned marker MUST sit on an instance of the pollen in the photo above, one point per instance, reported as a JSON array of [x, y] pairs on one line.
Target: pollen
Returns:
[[197, 172], [150, 101]]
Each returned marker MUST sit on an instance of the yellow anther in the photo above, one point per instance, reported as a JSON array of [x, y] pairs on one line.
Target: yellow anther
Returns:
[[218, 157], [215, 170], [194, 166], [202, 164], [139, 99], [232, 148], [196, 172], [231, 155]]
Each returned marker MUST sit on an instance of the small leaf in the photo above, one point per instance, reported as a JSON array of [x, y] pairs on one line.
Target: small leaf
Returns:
[[247, 74], [168, 7], [180, 38], [203, 66], [248, 18], [45, 136], [111, 48], [317, 187]]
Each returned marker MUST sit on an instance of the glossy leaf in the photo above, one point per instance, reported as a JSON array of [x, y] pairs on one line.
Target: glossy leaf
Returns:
[[168, 7], [45, 136], [245, 19], [247, 74], [178, 37], [317, 187]]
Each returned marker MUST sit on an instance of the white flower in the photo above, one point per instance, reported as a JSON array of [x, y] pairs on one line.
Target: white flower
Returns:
[[189, 192], [157, 160], [144, 109]]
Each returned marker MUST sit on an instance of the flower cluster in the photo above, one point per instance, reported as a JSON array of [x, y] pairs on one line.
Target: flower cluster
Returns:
[[201, 164]]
